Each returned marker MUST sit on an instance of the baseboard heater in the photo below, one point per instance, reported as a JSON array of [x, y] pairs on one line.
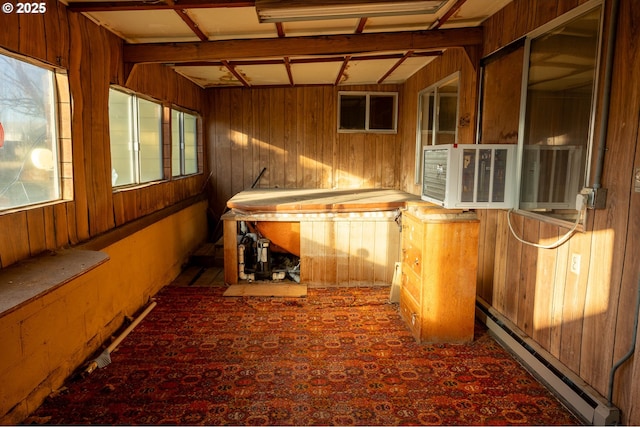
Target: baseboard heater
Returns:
[[578, 396]]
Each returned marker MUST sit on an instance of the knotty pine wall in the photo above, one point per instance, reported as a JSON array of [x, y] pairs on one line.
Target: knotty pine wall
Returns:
[[584, 319], [92, 57], [292, 132]]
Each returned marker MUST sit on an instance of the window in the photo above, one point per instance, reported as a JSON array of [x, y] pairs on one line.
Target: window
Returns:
[[367, 112], [184, 143], [29, 137], [135, 126], [437, 117], [558, 104]]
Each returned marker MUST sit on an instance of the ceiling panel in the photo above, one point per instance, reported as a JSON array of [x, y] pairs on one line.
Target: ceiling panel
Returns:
[[473, 13], [209, 76], [160, 23], [231, 23], [269, 74], [148, 26], [366, 71], [316, 73], [408, 68]]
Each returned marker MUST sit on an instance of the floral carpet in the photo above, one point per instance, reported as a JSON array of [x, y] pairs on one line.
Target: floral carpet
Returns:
[[340, 356]]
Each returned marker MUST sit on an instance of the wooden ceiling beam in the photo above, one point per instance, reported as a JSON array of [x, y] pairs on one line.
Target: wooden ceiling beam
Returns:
[[236, 74], [342, 70], [438, 22], [323, 59], [287, 65], [362, 22], [395, 66], [112, 6], [309, 45], [182, 13]]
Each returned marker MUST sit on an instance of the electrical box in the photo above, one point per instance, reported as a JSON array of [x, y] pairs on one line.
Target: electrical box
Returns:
[[470, 175]]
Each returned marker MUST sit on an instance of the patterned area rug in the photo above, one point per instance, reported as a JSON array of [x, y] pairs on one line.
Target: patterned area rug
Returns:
[[338, 357]]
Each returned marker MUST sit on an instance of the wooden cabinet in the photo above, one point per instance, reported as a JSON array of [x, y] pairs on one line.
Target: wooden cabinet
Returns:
[[439, 265]]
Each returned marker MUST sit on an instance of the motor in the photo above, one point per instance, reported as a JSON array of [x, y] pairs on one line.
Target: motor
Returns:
[[263, 259]]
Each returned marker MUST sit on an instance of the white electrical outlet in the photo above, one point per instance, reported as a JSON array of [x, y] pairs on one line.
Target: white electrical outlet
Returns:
[[575, 263]]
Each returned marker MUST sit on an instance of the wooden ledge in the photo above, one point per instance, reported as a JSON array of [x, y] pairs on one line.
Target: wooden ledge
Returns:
[[27, 280], [298, 200]]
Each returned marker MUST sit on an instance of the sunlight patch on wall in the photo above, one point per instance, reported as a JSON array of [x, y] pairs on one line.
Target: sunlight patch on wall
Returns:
[[562, 291]]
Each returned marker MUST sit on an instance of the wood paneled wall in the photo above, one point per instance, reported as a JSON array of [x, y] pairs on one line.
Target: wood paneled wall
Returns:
[[349, 252], [452, 61], [92, 57], [292, 132], [584, 318]]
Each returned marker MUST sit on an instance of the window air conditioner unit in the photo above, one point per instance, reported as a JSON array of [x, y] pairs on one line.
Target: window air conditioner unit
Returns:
[[469, 175], [551, 176]]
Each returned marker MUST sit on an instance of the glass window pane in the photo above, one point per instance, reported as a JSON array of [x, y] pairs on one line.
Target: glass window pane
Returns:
[[353, 110], [121, 136], [499, 176], [438, 117], [468, 175], [29, 171], [382, 112], [484, 175], [176, 150], [150, 134], [426, 117], [190, 144], [562, 70], [447, 112]]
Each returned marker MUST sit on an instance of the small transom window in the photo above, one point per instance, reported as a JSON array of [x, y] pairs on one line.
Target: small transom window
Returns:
[[367, 112]]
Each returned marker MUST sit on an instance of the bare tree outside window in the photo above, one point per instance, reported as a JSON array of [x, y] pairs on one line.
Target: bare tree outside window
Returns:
[[29, 172]]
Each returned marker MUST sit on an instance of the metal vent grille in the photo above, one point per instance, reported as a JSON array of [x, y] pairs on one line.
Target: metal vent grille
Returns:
[[434, 179]]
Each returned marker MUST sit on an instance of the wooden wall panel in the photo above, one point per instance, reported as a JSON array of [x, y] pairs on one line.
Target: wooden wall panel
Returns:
[[37, 231], [78, 35], [502, 81], [240, 174], [343, 252], [157, 81], [32, 28], [14, 246], [292, 132], [327, 136], [583, 316]]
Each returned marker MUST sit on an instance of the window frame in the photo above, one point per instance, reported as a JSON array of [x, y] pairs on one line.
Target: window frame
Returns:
[[60, 121], [182, 172], [434, 116], [548, 214], [367, 119], [135, 140]]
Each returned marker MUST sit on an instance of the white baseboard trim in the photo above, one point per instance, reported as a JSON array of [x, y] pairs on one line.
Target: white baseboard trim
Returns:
[[586, 403]]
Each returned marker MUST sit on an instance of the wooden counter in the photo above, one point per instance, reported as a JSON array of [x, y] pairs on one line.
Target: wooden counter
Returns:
[[275, 200]]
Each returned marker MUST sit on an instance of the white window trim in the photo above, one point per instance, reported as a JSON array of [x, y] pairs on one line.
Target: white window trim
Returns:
[[181, 173], [136, 140], [433, 88], [368, 94], [555, 23]]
